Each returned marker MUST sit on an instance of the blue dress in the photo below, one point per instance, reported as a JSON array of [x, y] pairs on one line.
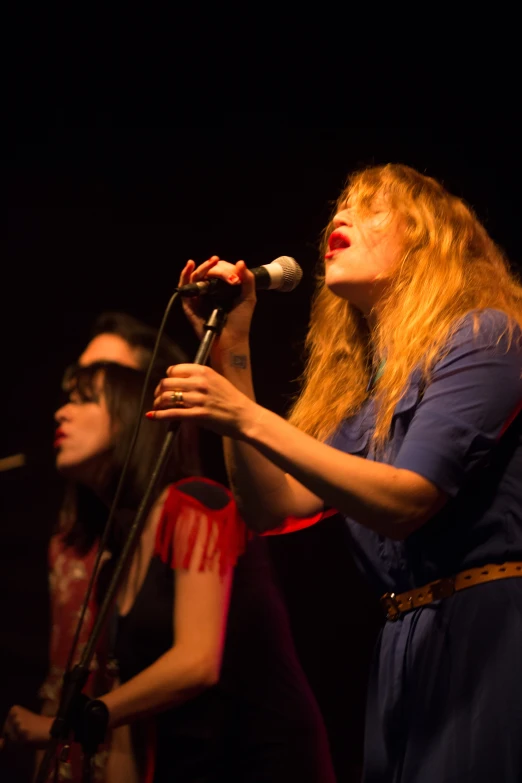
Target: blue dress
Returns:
[[445, 692]]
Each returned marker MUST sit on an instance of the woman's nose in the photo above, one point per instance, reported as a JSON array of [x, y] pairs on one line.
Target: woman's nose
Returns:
[[343, 218], [61, 414]]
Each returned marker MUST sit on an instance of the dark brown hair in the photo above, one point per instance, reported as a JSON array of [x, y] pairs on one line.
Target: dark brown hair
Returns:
[[83, 515], [141, 337]]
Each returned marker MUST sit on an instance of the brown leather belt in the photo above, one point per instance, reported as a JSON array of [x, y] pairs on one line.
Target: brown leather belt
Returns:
[[396, 605]]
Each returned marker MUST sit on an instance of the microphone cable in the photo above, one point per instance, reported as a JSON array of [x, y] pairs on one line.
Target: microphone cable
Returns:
[[120, 485]]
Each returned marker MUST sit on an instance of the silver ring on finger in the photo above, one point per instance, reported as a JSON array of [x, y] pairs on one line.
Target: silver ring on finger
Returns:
[[177, 399]]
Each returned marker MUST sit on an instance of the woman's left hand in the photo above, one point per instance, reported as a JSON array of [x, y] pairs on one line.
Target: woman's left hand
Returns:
[[23, 727], [196, 392]]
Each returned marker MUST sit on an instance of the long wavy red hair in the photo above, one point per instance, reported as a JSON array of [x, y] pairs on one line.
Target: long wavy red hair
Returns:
[[447, 266]]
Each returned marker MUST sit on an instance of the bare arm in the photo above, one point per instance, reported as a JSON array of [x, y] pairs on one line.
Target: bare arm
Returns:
[[121, 764], [48, 709], [258, 484], [194, 661], [264, 491], [390, 501]]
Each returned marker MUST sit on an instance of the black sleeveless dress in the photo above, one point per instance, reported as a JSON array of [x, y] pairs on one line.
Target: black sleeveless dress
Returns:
[[260, 723]]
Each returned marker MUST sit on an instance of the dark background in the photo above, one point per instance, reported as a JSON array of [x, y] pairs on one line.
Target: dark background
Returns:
[[134, 145]]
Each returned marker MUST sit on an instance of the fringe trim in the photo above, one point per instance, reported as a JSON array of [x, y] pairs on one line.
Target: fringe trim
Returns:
[[185, 519]]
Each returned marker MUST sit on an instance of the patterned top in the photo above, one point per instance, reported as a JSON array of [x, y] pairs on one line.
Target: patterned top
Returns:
[[69, 574]]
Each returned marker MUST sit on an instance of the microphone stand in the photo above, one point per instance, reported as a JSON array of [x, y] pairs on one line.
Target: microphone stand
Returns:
[[75, 708]]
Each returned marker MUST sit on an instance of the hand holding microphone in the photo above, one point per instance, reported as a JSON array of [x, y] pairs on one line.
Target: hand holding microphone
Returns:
[[223, 404], [282, 274], [238, 321], [217, 277]]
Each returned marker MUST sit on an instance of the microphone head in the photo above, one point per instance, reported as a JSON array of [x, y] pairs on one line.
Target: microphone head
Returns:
[[291, 273]]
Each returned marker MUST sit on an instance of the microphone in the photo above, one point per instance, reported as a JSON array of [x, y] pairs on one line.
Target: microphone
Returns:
[[12, 462], [282, 274]]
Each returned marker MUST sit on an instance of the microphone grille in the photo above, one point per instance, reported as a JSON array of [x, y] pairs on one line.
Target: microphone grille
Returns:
[[292, 273]]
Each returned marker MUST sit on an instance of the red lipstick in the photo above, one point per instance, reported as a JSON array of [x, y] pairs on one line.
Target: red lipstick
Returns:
[[337, 241], [58, 437]]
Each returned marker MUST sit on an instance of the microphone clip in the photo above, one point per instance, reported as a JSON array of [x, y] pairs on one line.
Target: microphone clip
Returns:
[[213, 293]]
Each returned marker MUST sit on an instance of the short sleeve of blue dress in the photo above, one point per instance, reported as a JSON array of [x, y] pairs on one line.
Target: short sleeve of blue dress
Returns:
[[461, 431], [474, 394], [445, 693]]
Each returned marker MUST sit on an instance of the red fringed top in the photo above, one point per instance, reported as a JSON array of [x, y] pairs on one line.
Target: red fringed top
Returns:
[[182, 519]]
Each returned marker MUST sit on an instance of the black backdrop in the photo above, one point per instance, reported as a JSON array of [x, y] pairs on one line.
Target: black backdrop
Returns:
[[118, 169]]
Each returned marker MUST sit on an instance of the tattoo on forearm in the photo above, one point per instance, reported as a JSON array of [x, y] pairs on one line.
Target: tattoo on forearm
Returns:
[[238, 360]]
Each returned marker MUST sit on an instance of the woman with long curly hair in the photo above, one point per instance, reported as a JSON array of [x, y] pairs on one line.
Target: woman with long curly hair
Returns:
[[409, 424]]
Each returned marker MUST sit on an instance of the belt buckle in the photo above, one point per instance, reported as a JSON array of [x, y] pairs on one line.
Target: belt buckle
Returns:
[[391, 607], [442, 588]]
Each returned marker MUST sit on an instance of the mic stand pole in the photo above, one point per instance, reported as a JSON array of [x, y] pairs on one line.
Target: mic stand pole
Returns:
[[75, 708]]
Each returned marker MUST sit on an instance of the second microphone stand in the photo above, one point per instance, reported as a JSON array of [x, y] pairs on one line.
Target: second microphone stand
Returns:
[[75, 708]]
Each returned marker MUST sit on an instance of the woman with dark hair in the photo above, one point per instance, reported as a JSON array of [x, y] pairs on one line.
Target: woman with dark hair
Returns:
[[409, 423], [122, 339], [169, 661], [229, 699]]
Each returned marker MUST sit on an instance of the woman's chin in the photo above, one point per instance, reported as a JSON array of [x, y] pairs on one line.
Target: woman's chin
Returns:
[[91, 473], [358, 293], [67, 469], [70, 468], [344, 289]]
